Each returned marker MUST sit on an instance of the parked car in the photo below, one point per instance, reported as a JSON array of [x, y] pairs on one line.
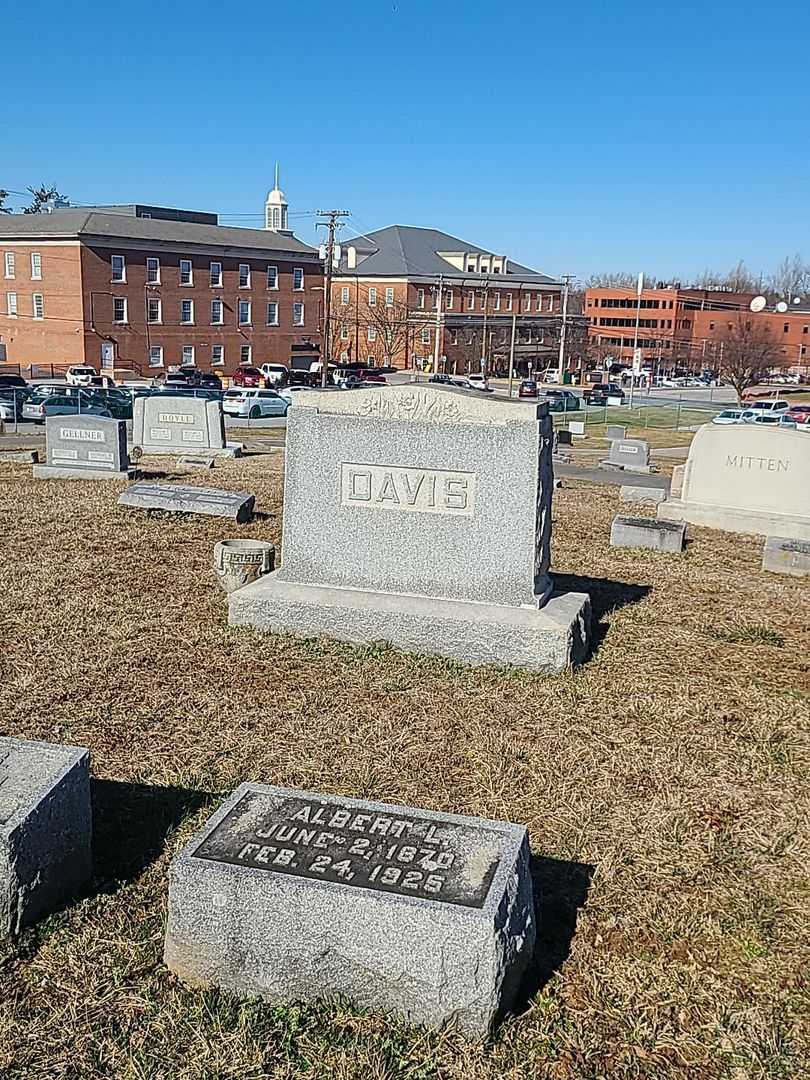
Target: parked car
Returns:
[[254, 403], [550, 375], [527, 388], [479, 382], [247, 376], [799, 414], [103, 382], [290, 393], [65, 404], [441, 378], [371, 375], [79, 375], [12, 398], [600, 393], [275, 375], [769, 406], [562, 401], [13, 381], [192, 377], [728, 416], [766, 418]]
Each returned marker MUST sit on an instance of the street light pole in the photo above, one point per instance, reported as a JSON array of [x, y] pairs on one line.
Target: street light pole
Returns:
[[635, 337]]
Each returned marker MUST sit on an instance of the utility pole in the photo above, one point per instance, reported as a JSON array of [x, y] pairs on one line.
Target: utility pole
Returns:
[[332, 223], [484, 349], [567, 279], [440, 289], [512, 355], [635, 338]]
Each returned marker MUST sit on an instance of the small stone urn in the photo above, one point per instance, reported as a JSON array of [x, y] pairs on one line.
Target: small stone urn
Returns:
[[238, 562]]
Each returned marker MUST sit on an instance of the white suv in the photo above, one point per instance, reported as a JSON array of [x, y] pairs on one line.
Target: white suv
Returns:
[[79, 375]]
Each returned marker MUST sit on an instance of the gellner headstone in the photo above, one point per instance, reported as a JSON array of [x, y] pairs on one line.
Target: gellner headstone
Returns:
[[294, 896], [181, 424], [178, 498], [45, 828], [420, 516], [746, 478], [84, 447]]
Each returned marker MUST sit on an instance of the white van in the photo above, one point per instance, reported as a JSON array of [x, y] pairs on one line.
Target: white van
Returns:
[[769, 406]]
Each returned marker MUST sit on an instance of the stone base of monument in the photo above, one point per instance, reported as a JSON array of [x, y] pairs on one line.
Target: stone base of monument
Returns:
[[229, 450], [64, 472], [27, 457], [643, 495], [549, 639], [635, 532], [45, 828], [755, 522], [292, 896], [784, 556]]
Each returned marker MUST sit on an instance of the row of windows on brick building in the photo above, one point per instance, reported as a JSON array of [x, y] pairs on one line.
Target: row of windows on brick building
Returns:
[[188, 356], [118, 273], [244, 312], [10, 265], [485, 301], [37, 305]]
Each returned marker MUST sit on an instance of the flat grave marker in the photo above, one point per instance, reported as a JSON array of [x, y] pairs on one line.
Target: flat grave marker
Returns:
[[782, 555], [296, 896], [179, 498]]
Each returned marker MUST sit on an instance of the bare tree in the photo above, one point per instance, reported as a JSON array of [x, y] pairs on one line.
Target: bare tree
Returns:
[[388, 324], [790, 279], [621, 279], [747, 353], [41, 197], [738, 279]]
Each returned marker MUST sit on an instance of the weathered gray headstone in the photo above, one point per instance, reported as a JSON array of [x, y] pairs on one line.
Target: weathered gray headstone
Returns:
[[295, 896], [644, 495], [616, 431], [27, 457], [631, 455], [641, 532], [179, 498], [420, 516], [189, 462], [176, 424], [564, 437], [784, 556], [45, 828], [85, 447]]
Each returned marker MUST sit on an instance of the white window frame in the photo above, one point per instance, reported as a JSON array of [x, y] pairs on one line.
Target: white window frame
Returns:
[[152, 270], [244, 275], [37, 296], [245, 349], [158, 350], [215, 284], [220, 321], [389, 297], [344, 332], [186, 284], [371, 334], [539, 301], [221, 361], [159, 302], [190, 321], [298, 321], [272, 304], [185, 351], [272, 271], [528, 305], [122, 279], [425, 335], [550, 304], [11, 305], [344, 295], [9, 268], [242, 304], [497, 301], [372, 297], [471, 300], [509, 301], [120, 300], [36, 266], [298, 271], [420, 298], [448, 299]]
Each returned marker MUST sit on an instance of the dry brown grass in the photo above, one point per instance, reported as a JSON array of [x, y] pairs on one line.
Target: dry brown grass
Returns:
[[674, 764]]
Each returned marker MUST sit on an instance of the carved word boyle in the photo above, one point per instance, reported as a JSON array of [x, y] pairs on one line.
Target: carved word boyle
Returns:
[[175, 418], [421, 491], [763, 464]]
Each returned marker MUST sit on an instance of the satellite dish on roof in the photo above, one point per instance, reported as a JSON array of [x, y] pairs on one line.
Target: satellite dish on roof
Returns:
[[781, 306], [758, 303]]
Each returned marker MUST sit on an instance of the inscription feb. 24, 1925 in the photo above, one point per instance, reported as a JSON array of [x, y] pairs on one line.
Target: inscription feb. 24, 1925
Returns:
[[337, 842]]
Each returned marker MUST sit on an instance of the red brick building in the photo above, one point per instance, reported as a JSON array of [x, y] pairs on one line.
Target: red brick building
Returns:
[[684, 327], [143, 289], [396, 288]]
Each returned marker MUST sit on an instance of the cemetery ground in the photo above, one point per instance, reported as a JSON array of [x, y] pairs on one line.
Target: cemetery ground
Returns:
[[664, 785]]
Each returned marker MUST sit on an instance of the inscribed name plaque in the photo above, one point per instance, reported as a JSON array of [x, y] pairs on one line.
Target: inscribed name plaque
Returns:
[[631, 455], [88, 447], [178, 498], [45, 828], [174, 424], [746, 478], [420, 516], [295, 896]]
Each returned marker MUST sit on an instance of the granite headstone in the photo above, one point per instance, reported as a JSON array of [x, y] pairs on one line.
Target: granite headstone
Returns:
[[294, 896], [181, 424], [643, 532], [630, 455], [84, 447], [420, 516], [45, 828], [178, 498], [784, 556]]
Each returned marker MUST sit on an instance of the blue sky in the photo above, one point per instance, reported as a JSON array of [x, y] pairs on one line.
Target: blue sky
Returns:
[[575, 138]]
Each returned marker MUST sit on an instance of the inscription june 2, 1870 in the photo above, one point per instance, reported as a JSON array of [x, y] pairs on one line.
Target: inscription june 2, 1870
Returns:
[[397, 487], [337, 842]]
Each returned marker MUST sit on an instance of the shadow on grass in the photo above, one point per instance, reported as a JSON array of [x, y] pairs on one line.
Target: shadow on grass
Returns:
[[606, 597], [130, 825], [560, 891]]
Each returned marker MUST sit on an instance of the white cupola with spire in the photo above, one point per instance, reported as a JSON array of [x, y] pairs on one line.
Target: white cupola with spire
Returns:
[[275, 209]]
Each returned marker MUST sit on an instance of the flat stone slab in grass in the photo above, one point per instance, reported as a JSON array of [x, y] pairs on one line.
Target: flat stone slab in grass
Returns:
[[648, 495], [642, 532], [27, 457], [782, 555], [294, 896], [179, 498], [45, 828]]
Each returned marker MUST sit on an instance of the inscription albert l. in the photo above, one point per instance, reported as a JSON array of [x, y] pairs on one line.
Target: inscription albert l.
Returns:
[[336, 842], [395, 487]]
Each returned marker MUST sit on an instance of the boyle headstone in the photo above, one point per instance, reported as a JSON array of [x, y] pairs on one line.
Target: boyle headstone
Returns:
[[178, 498], [420, 516], [85, 447], [181, 424], [746, 478], [45, 828], [294, 896]]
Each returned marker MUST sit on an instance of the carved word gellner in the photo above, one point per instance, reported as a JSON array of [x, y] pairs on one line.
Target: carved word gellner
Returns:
[[394, 487]]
